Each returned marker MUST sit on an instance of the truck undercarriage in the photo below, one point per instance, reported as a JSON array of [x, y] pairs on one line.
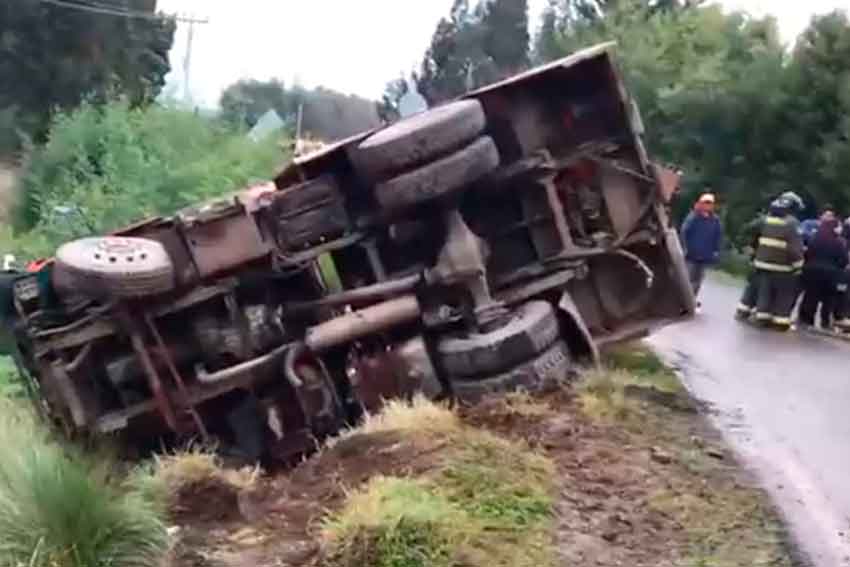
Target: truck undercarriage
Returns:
[[484, 245]]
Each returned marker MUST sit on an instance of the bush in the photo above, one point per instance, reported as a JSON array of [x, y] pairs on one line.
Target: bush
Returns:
[[106, 166], [58, 509]]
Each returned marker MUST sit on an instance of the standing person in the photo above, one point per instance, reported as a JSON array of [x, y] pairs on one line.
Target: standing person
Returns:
[[826, 258], [777, 262], [701, 238]]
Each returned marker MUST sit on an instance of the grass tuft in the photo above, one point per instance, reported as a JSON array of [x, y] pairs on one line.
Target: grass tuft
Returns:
[[163, 479], [394, 522], [488, 502], [502, 483], [418, 417], [58, 509], [644, 366]]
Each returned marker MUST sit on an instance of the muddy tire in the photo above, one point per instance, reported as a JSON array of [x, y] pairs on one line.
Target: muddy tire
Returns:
[[114, 266], [547, 370], [311, 226], [418, 140], [532, 329], [308, 195], [306, 213], [439, 178]]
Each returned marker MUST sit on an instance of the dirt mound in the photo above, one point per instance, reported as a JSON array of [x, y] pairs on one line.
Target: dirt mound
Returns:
[[281, 512], [211, 500]]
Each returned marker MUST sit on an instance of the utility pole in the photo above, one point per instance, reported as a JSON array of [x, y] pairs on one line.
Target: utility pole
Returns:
[[187, 63], [187, 58]]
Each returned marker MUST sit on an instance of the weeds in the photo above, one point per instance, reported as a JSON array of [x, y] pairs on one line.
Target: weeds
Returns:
[[602, 395], [644, 367], [58, 509]]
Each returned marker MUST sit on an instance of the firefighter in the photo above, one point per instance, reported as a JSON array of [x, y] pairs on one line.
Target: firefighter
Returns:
[[778, 259], [751, 231]]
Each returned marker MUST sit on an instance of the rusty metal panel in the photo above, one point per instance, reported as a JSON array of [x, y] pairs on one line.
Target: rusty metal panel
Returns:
[[222, 241], [601, 50], [668, 181], [622, 197]]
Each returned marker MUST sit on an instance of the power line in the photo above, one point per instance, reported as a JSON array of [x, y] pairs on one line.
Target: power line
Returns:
[[106, 10]]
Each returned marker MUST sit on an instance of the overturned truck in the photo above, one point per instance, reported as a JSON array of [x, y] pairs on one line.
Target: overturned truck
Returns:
[[484, 245]]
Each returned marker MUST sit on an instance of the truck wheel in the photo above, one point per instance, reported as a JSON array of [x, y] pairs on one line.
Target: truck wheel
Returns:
[[545, 371], [308, 195], [418, 139], [117, 266], [439, 178], [311, 226], [532, 329]]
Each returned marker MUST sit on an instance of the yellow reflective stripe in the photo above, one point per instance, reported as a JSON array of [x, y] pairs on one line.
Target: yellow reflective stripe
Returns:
[[773, 242], [798, 264], [745, 308], [776, 221], [771, 267], [764, 316], [782, 320]]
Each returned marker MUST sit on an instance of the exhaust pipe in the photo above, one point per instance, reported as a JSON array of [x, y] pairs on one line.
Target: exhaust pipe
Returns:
[[361, 323]]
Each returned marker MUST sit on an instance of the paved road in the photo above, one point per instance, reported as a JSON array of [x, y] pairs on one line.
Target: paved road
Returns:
[[783, 401]]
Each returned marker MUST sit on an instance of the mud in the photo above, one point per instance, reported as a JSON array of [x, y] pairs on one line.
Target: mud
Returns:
[[610, 509]]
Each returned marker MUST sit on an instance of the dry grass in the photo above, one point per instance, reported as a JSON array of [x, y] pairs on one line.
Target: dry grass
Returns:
[[416, 418], [166, 476], [487, 502], [602, 395], [522, 404]]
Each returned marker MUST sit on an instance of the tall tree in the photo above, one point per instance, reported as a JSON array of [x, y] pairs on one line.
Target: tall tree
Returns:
[[506, 38], [475, 46], [387, 107], [53, 56], [819, 113]]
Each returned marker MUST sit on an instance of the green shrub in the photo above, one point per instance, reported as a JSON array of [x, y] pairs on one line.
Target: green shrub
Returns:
[[58, 509], [106, 166]]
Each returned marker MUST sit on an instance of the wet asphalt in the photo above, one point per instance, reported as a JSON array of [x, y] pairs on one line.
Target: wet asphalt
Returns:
[[783, 402]]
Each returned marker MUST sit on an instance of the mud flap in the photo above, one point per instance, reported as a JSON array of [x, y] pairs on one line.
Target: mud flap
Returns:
[[568, 306]]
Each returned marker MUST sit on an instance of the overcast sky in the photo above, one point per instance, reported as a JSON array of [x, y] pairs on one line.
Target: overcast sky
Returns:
[[350, 46]]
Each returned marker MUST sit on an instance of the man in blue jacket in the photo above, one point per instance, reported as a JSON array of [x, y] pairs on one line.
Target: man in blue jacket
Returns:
[[701, 239]]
